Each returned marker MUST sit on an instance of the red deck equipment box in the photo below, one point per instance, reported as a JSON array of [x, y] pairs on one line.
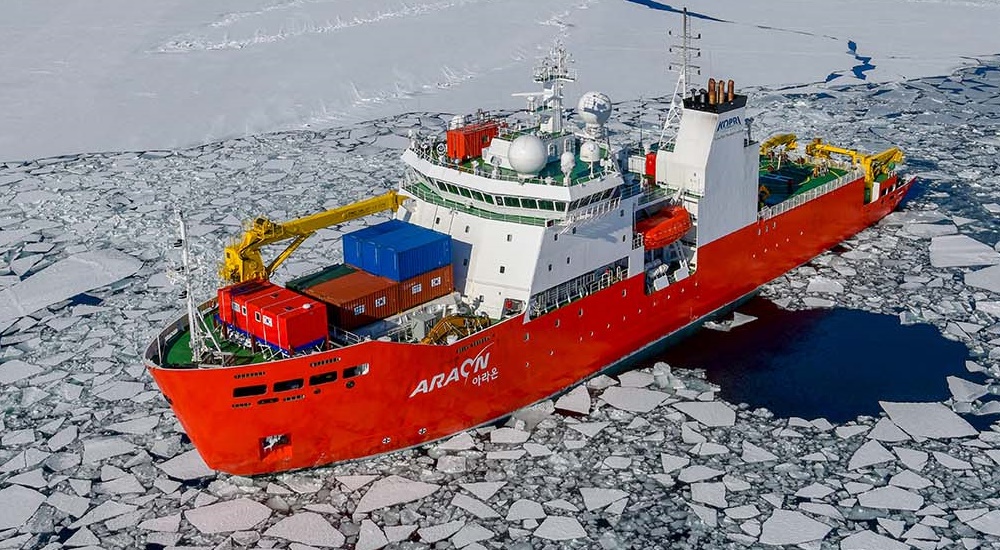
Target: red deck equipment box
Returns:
[[295, 323]]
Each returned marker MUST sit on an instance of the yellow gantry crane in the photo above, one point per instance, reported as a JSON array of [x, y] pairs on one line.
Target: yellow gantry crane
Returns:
[[873, 165], [243, 261]]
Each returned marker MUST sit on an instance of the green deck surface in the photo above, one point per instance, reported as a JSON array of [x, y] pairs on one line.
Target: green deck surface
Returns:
[[791, 179], [179, 348]]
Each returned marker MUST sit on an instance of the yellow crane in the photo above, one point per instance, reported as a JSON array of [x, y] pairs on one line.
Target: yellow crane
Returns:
[[458, 325], [873, 165], [788, 141], [242, 260]]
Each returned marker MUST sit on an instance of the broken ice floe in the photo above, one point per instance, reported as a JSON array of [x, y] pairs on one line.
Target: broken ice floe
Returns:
[[90, 435]]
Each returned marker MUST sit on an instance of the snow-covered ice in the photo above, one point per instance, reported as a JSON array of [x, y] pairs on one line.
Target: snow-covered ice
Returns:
[[928, 420]]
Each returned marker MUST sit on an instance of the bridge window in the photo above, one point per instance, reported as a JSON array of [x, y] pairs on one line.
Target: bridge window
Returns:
[[560, 206], [441, 185], [529, 203], [465, 192], [452, 189], [489, 198], [546, 205], [511, 201], [574, 204], [477, 195], [499, 200]]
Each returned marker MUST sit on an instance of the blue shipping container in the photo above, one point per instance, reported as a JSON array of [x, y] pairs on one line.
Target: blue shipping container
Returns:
[[353, 241], [404, 254]]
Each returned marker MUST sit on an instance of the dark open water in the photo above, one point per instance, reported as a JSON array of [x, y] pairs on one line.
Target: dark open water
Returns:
[[831, 363]]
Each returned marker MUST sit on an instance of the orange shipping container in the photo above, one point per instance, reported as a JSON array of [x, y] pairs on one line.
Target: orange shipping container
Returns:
[[425, 287], [295, 323], [469, 141], [357, 299]]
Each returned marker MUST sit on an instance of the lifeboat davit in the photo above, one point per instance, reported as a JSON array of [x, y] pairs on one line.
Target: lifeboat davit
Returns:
[[664, 227]]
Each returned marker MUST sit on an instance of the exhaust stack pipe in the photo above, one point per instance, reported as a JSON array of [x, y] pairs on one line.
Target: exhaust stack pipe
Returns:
[[731, 90], [711, 91]]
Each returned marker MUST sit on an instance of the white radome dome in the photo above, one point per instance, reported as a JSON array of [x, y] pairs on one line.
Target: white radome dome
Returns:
[[594, 108], [590, 152], [527, 155]]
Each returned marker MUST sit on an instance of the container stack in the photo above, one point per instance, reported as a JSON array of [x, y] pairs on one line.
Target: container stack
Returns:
[[279, 318], [392, 267]]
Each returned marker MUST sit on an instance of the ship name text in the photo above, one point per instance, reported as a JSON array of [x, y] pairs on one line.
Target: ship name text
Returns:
[[475, 368]]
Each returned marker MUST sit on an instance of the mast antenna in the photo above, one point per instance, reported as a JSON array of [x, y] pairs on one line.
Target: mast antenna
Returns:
[[683, 54], [196, 324]]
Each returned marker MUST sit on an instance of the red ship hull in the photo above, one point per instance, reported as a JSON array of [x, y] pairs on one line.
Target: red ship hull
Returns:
[[413, 393]]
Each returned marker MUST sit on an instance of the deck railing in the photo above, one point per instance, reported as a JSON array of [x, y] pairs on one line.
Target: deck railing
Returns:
[[798, 200]]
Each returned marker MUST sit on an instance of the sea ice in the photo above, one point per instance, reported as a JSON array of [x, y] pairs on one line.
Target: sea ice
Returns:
[[932, 420], [789, 527], [871, 452], [65, 279], [633, 399], [867, 540], [17, 504], [470, 534], [986, 279], [484, 489], [951, 462], [307, 528], [961, 251], [671, 462], [909, 480], [753, 454], [393, 490], [712, 414], [523, 509], [229, 515], [370, 537], [105, 511], [576, 400], [886, 430], [509, 436], [814, 490], [698, 472], [560, 528], [595, 498], [441, 531], [712, 494], [475, 507], [891, 498], [709, 516], [15, 369], [964, 390], [186, 466], [988, 523]]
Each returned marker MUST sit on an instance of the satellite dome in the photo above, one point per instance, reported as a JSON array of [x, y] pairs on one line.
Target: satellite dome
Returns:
[[590, 152], [594, 108], [527, 155]]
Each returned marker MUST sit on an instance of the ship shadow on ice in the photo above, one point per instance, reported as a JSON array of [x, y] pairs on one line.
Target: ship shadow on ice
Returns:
[[825, 363]]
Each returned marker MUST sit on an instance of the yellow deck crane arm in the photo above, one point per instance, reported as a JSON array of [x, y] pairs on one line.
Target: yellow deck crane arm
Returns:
[[242, 260], [788, 141], [881, 163], [873, 165]]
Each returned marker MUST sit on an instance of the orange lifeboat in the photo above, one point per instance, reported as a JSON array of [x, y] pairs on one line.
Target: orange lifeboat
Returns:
[[664, 227]]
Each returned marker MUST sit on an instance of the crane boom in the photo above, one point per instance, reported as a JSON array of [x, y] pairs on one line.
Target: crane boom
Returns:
[[873, 165], [788, 141], [242, 260]]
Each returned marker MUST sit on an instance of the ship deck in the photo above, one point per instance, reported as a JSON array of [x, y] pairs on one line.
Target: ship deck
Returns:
[[178, 349], [785, 179]]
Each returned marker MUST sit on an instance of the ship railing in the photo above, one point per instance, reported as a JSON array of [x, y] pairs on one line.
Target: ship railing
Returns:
[[575, 289], [591, 212], [486, 170], [344, 336], [798, 200], [420, 192], [654, 194], [638, 241]]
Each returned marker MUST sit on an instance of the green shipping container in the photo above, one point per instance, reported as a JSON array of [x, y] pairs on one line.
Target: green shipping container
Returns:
[[336, 271]]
